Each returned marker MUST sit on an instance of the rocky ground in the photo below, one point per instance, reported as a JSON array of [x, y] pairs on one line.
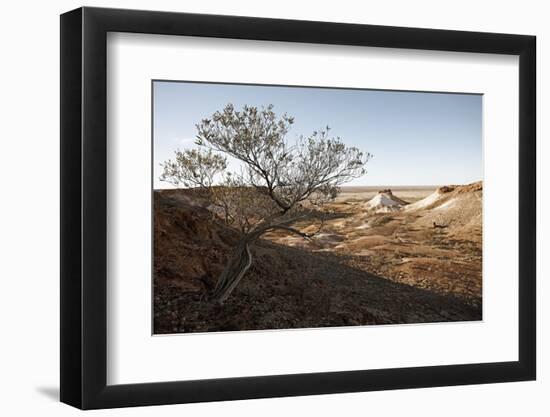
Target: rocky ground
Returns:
[[365, 268]]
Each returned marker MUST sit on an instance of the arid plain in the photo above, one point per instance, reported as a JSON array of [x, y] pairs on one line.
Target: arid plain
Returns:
[[384, 255]]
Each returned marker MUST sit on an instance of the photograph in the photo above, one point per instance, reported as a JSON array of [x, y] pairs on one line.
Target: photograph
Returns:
[[288, 207]]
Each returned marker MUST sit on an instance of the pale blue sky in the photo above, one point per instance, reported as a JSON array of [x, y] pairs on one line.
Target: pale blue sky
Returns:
[[416, 138]]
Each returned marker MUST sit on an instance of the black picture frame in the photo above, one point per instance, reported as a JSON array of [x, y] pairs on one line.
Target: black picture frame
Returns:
[[84, 207]]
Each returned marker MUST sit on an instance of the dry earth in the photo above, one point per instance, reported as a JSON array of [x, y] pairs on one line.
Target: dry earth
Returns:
[[366, 267], [404, 246]]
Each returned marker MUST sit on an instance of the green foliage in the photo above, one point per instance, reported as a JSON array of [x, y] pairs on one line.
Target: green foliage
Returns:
[[277, 181]]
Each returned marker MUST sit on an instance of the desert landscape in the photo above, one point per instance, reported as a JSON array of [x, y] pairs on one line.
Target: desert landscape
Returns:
[[289, 207], [384, 255]]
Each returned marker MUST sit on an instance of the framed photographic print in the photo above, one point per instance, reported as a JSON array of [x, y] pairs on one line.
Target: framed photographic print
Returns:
[[257, 208]]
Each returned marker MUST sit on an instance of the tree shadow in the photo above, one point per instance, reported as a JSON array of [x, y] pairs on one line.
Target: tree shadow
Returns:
[[344, 274]]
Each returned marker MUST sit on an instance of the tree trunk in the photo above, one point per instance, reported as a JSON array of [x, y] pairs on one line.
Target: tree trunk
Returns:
[[238, 264]]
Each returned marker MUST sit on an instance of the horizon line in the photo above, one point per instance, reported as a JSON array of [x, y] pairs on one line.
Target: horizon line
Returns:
[[361, 185]]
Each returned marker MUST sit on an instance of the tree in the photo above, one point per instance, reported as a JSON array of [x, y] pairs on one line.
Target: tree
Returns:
[[277, 183]]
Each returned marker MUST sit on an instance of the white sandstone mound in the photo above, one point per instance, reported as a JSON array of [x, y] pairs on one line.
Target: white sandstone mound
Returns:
[[431, 200], [384, 202], [425, 202]]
